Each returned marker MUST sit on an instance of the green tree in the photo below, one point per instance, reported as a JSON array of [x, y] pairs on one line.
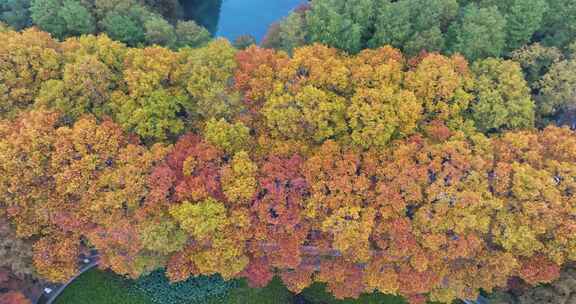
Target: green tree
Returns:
[[77, 17], [45, 14], [123, 28], [190, 34], [393, 24], [272, 38], [102, 7], [559, 25], [62, 18], [16, 13], [159, 31], [523, 18], [502, 96], [480, 32], [557, 88], [242, 42], [536, 60], [293, 31], [171, 10], [341, 24], [414, 25]]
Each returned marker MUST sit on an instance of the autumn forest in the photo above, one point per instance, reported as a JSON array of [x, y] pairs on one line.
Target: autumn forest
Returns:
[[431, 174]]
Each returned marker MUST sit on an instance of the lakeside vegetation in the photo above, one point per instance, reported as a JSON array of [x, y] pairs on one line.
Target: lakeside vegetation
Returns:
[[134, 22]]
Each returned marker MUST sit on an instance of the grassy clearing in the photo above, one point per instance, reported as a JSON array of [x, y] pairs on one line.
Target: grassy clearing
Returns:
[[317, 294], [100, 287]]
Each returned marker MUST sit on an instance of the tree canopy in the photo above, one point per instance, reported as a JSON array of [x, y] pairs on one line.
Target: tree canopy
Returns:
[[422, 176], [134, 22], [474, 28]]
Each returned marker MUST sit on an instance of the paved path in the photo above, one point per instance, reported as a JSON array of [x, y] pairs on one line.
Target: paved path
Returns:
[[56, 289]]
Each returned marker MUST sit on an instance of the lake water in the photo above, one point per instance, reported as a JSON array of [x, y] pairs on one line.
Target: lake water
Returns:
[[238, 17], [232, 18]]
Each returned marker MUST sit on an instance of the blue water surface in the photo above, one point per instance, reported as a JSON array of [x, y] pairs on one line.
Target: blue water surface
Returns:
[[239, 17]]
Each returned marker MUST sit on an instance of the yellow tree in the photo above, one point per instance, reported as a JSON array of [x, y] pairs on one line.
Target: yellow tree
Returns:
[[207, 73], [230, 137], [154, 96], [239, 179], [534, 179], [443, 85], [85, 88], [55, 256], [29, 58], [218, 236], [374, 68], [311, 112], [109, 52], [26, 148], [376, 116], [319, 66]]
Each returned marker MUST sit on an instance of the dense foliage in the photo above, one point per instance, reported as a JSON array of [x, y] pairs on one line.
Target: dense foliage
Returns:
[[134, 22], [560, 291], [474, 28], [200, 289], [416, 176]]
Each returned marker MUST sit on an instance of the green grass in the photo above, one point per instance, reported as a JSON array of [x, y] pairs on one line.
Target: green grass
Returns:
[[274, 293], [100, 287], [317, 294]]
